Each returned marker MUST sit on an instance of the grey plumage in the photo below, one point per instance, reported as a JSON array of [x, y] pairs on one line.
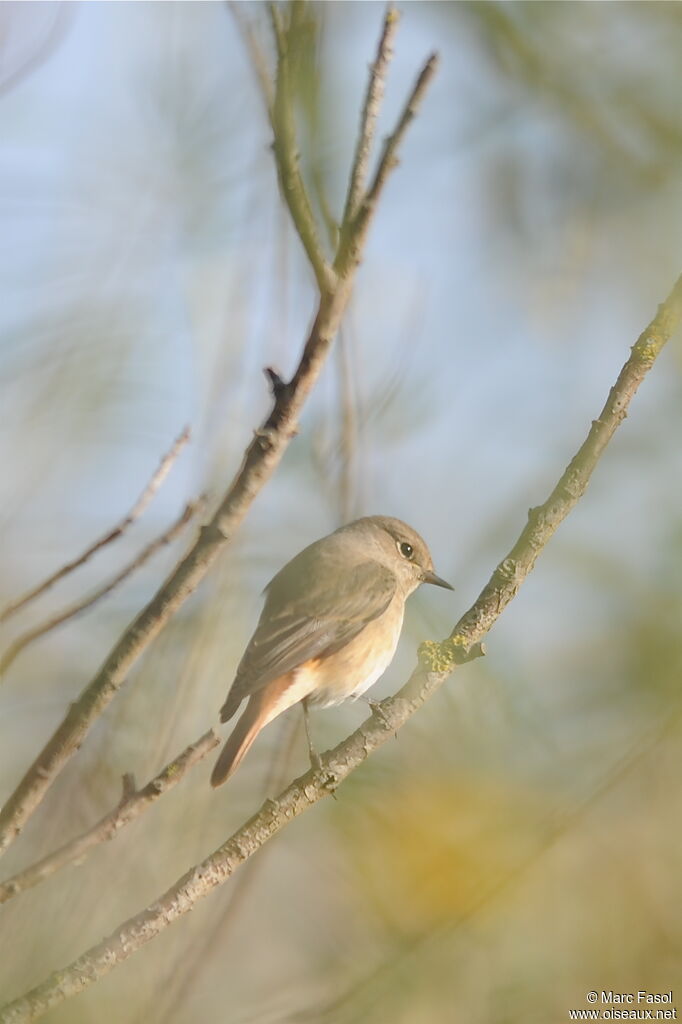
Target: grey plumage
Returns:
[[305, 617], [329, 625]]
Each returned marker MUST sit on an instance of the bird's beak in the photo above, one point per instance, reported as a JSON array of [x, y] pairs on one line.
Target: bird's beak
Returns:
[[430, 577]]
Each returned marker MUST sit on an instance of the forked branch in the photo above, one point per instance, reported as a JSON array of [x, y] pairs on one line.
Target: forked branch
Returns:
[[369, 116], [354, 232]]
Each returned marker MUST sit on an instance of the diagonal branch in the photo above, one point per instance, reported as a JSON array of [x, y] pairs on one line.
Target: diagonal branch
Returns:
[[437, 662], [259, 463], [544, 519], [167, 537], [160, 474], [130, 806]]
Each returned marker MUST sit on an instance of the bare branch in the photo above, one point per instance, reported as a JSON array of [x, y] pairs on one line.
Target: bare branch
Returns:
[[260, 461], [291, 182], [136, 511], [544, 520], [388, 157], [131, 805], [370, 113], [167, 537], [437, 662], [353, 234], [159, 476]]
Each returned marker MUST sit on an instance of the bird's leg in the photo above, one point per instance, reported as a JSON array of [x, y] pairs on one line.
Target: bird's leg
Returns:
[[315, 762]]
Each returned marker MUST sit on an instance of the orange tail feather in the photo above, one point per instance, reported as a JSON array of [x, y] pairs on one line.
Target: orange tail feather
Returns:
[[258, 712], [240, 740]]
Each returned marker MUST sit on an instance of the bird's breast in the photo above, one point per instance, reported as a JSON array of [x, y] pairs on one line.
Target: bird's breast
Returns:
[[349, 672]]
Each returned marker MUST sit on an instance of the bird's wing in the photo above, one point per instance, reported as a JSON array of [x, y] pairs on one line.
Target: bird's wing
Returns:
[[308, 616]]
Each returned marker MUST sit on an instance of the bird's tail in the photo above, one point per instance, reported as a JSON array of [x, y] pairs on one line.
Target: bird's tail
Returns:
[[240, 740]]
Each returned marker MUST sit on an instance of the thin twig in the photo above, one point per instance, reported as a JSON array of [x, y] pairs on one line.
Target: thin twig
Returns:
[[166, 538], [353, 237], [389, 157], [136, 511], [130, 806], [370, 113], [436, 664], [291, 181], [260, 460]]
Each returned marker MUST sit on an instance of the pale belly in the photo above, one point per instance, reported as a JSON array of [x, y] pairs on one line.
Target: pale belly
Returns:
[[348, 673]]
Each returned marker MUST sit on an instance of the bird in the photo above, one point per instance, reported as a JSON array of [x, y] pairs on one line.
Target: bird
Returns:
[[329, 627]]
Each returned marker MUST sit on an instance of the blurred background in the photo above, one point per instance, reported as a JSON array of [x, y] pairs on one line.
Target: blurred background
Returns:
[[519, 844]]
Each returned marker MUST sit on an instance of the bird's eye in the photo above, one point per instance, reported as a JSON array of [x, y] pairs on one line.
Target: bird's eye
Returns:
[[406, 550]]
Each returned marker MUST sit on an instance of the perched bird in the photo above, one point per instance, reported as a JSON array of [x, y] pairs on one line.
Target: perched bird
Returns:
[[329, 627]]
